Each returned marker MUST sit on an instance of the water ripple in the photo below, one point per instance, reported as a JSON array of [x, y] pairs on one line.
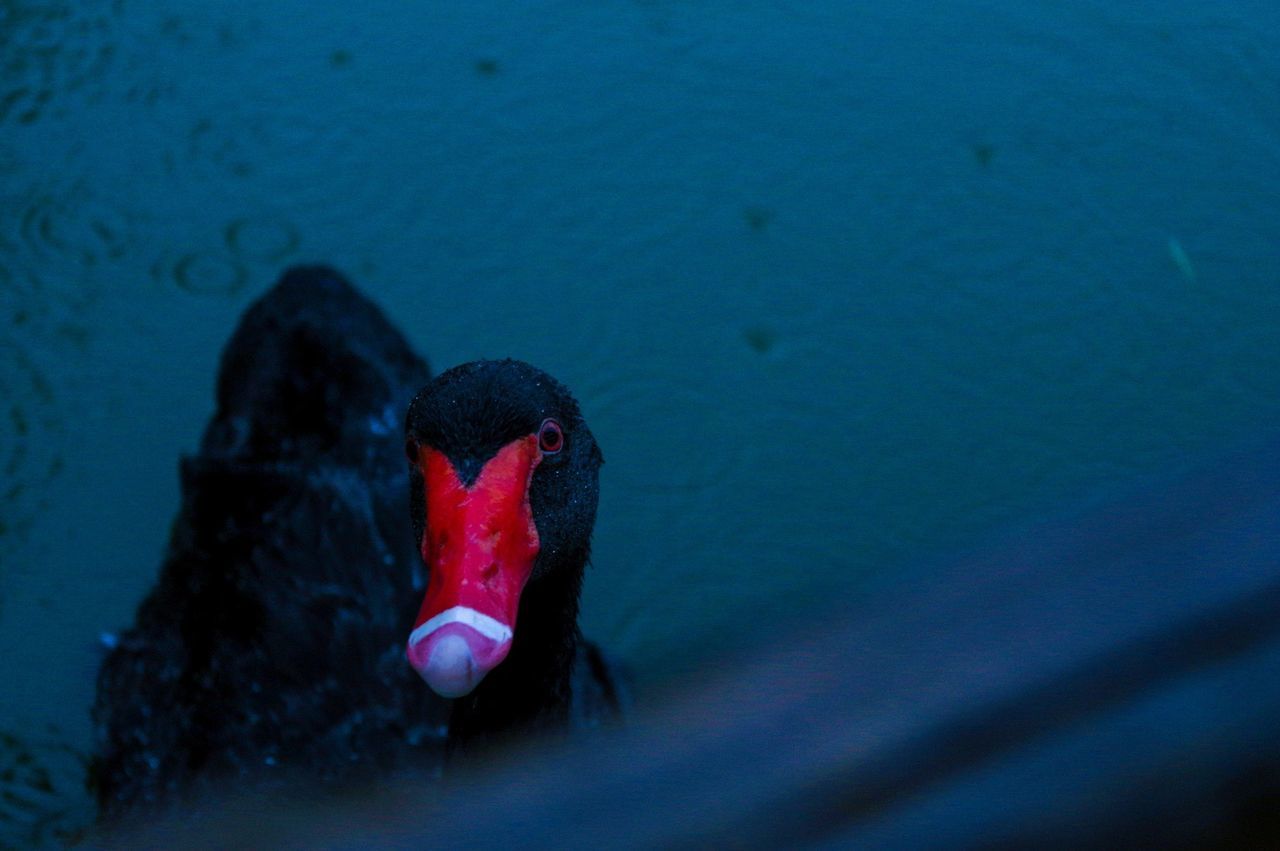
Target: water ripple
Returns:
[[73, 226], [49, 50], [239, 148], [202, 272], [225, 269], [40, 776], [28, 462]]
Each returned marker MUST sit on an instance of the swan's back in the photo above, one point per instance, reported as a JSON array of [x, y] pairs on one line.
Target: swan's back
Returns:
[[273, 642]]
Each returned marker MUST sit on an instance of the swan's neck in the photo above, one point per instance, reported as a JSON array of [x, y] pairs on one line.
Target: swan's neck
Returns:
[[531, 690]]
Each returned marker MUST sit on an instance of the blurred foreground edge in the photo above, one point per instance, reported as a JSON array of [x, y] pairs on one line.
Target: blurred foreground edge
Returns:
[[1112, 679]]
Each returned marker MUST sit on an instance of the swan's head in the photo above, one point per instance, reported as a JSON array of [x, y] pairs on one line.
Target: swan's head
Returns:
[[503, 485]]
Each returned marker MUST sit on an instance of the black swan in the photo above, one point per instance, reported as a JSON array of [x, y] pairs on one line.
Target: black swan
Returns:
[[273, 646]]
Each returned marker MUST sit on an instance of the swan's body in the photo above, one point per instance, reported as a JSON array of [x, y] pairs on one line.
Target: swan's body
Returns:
[[273, 645]]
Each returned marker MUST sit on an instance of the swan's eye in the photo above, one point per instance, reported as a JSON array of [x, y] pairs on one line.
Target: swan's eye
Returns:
[[550, 437]]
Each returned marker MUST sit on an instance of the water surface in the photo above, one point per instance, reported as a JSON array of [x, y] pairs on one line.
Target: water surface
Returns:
[[839, 287]]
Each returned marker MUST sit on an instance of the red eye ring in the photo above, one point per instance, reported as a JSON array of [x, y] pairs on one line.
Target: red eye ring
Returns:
[[550, 437]]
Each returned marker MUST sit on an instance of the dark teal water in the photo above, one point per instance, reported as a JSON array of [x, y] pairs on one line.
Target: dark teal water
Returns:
[[840, 286]]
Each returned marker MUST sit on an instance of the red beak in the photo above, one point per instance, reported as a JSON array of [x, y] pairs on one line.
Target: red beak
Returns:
[[479, 545]]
